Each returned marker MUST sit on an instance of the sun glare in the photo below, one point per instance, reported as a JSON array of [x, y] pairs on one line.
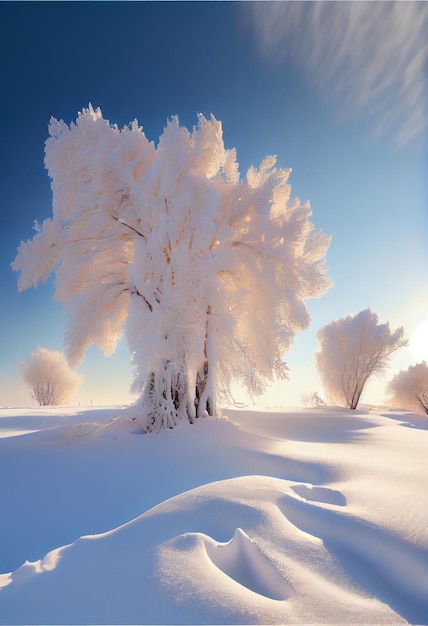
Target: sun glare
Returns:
[[418, 342]]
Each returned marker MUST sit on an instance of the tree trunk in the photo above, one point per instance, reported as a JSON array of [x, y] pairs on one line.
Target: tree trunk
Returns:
[[166, 398], [205, 380], [172, 393]]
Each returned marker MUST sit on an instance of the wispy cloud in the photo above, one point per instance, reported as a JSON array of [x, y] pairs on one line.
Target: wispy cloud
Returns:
[[370, 57]]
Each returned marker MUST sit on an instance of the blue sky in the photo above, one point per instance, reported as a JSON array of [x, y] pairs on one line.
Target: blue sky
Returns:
[[337, 91]]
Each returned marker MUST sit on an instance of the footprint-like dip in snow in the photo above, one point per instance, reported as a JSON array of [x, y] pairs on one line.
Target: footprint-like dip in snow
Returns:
[[241, 560], [320, 494]]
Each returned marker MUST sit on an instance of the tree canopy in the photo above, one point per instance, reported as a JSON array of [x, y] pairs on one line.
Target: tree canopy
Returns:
[[208, 273], [51, 380], [409, 388], [353, 349]]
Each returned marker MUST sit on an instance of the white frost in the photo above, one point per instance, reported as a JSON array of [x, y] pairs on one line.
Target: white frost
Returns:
[[169, 242]]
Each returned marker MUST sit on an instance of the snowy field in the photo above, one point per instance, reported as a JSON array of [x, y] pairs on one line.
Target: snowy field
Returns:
[[267, 516]]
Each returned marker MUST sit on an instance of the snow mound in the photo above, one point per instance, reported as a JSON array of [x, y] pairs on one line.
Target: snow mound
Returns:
[[218, 522], [241, 560]]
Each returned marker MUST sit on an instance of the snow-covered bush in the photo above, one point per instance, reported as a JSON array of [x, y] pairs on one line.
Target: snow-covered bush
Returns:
[[409, 388], [208, 272], [352, 349], [50, 378], [317, 399]]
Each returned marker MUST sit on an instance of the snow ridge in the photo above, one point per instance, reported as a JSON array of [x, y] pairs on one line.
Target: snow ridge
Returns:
[[230, 531]]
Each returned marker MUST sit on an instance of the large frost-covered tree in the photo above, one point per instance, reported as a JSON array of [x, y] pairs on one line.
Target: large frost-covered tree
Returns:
[[409, 388], [208, 273], [353, 349], [50, 378]]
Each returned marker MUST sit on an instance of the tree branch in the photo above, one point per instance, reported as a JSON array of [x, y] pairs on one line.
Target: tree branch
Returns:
[[134, 291], [130, 227]]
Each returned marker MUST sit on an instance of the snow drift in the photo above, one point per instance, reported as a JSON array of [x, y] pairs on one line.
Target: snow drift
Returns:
[[268, 516]]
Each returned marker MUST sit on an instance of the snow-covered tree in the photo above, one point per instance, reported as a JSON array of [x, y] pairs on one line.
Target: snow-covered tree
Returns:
[[409, 388], [50, 378], [352, 349], [208, 272]]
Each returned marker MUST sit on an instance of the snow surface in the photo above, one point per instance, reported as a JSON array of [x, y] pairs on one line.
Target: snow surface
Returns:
[[267, 516]]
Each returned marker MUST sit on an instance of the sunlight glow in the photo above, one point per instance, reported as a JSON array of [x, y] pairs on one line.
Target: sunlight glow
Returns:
[[418, 343]]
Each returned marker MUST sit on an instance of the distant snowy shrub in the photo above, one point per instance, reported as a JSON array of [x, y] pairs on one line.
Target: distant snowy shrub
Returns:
[[50, 378], [208, 272], [316, 399], [352, 349], [409, 388]]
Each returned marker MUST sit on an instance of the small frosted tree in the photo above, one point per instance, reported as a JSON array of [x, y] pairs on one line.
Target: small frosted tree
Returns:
[[353, 349], [209, 273], [50, 378], [409, 388]]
